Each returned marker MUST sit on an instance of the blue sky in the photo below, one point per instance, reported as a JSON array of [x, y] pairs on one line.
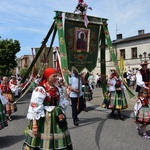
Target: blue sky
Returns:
[[28, 21]]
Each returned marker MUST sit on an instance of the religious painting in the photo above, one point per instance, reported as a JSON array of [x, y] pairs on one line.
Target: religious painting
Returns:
[[82, 38]]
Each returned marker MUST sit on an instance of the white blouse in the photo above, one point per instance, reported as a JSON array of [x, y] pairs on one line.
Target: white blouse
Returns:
[[36, 107], [111, 83]]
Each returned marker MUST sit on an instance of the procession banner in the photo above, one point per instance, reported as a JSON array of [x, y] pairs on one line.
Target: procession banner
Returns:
[[82, 43], [62, 45]]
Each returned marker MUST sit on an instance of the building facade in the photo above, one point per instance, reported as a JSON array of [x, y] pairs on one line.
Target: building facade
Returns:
[[42, 62], [23, 62], [131, 48]]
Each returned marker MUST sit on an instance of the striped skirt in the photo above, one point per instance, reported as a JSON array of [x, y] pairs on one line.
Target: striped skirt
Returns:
[[12, 107], [87, 93], [52, 134], [143, 115], [3, 118], [117, 101]]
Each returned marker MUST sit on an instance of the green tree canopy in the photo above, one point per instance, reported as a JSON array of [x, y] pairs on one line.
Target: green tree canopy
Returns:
[[23, 71], [8, 50]]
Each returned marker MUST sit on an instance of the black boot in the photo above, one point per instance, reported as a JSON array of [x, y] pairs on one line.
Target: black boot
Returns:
[[76, 123], [112, 113], [120, 116]]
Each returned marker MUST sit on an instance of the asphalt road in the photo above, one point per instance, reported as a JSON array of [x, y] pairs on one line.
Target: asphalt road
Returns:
[[96, 131]]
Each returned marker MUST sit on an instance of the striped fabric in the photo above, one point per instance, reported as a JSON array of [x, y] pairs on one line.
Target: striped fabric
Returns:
[[143, 115], [51, 134], [118, 101], [3, 119]]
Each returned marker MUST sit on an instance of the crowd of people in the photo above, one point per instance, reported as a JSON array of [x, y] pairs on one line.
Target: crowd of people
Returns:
[[116, 99], [49, 102], [8, 94], [51, 97], [130, 78]]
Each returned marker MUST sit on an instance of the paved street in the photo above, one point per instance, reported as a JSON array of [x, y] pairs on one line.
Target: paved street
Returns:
[[97, 131]]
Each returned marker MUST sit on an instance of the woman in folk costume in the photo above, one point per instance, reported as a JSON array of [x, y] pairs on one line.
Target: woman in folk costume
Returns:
[[142, 112], [3, 118], [86, 89], [116, 94], [48, 127], [11, 107], [14, 86]]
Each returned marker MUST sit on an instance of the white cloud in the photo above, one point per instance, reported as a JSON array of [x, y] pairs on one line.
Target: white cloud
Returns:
[[29, 20]]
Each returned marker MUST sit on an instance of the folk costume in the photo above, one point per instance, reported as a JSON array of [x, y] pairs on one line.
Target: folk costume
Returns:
[[142, 112], [14, 86], [11, 107], [117, 100], [86, 89], [120, 99], [47, 118], [3, 118]]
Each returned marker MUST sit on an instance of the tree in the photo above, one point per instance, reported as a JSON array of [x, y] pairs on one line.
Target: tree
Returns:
[[8, 50], [23, 71]]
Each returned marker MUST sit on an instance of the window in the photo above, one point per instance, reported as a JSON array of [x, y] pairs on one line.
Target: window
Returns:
[[134, 52], [122, 53]]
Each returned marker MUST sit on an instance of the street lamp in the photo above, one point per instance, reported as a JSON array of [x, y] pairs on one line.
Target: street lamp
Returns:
[[140, 56], [145, 56]]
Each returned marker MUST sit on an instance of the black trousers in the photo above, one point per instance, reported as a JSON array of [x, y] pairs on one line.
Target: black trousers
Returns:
[[128, 82], [76, 112]]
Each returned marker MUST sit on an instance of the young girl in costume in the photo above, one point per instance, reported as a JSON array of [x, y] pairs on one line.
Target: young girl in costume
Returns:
[[48, 126], [142, 112]]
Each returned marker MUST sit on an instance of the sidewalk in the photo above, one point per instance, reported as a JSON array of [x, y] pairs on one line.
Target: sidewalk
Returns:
[[98, 99]]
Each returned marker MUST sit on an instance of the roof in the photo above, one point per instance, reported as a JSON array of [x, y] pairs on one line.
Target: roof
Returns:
[[133, 38]]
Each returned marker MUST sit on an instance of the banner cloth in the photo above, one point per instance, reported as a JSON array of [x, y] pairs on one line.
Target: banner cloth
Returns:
[[82, 44]]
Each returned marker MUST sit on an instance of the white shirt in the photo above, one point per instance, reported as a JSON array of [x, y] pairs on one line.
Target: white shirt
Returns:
[[73, 81], [139, 79]]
